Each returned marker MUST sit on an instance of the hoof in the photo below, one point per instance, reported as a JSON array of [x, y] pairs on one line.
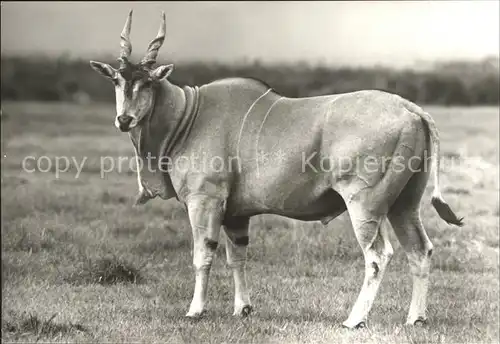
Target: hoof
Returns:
[[196, 315], [244, 312], [354, 326], [420, 322]]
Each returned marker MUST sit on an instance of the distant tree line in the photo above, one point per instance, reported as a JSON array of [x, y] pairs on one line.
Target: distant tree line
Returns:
[[454, 83]]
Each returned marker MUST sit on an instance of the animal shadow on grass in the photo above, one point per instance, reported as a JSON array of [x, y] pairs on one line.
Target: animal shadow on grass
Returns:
[[422, 335], [106, 271], [307, 315], [32, 325]]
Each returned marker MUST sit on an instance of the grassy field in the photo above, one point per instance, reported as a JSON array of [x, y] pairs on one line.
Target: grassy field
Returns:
[[80, 264]]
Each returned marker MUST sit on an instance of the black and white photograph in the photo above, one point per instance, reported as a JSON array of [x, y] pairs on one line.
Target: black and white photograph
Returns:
[[250, 172]]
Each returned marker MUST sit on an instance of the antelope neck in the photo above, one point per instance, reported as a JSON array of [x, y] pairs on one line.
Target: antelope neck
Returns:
[[182, 124], [168, 125], [162, 134]]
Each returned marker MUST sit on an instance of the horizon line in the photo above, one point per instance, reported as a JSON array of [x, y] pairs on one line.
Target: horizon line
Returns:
[[108, 57]]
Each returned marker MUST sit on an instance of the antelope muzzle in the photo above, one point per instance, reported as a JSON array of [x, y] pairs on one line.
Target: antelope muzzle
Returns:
[[124, 122]]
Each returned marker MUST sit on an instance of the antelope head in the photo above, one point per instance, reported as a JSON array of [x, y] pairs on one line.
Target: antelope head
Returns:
[[135, 84]]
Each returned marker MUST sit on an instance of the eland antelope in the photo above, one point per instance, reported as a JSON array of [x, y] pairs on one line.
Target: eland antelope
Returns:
[[264, 153]]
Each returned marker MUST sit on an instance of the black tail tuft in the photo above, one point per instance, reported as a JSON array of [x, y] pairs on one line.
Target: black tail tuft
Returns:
[[445, 212]]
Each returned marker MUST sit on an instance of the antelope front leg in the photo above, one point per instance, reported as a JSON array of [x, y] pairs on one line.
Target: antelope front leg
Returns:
[[205, 215], [236, 253]]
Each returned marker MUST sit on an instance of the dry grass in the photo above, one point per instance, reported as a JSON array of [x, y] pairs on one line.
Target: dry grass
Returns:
[[28, 325], [80, 264]]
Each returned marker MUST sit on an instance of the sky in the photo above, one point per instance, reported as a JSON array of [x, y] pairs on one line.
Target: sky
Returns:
[[392, 33]]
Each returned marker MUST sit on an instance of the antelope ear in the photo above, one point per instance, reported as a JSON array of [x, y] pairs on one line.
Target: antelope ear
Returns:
[[104, 69], [162, 72]]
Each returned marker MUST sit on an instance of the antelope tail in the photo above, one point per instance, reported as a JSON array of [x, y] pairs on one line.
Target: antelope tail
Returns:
[[442, 208]]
